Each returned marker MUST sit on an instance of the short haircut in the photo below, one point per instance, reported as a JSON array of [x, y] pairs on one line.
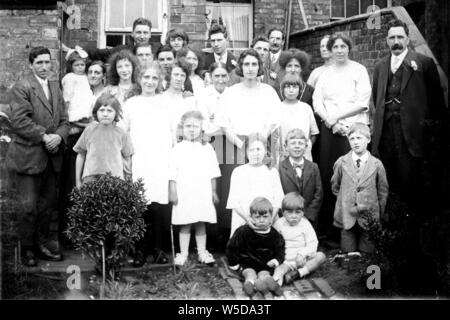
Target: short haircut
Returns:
[[217, 28], [258, 39], [293, 53], [249, 52], [290, 79], [335, 37], [142, 45], [113, 76], [293, 201], [276, 29], [359, 127], [142, 21], [216, 65], [107, 99], [37, 51], [175, 33], [183, 66], [165, 48], [183, 52], [75, 56], [398, 23], [260, 206], [295, 133], [99, 63]]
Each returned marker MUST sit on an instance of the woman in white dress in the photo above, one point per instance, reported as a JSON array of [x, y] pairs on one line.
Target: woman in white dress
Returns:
[[341, 98], [148, 123], [245, 108]]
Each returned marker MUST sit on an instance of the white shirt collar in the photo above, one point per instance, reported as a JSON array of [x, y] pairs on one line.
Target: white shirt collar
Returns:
[[400, 58], [276, 55], [302, 161], [42, 81], [223, 58], [363, 158]]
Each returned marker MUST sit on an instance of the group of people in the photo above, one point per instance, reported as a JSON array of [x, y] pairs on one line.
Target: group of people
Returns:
[[211, 134]]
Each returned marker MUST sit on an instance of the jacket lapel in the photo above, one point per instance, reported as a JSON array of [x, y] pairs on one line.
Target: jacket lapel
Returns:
[[349, 167], [369, 169], [385, 69], [407, 69], [40, 93], [306, 174], [290, 172], [54, 90]]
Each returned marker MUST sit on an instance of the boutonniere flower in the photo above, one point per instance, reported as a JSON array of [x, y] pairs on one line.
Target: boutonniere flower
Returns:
[[234, 63], [273, 75], [414, 65]]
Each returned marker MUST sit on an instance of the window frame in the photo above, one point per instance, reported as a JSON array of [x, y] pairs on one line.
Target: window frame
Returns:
[[334, 18], [250, 27], [103, 18]]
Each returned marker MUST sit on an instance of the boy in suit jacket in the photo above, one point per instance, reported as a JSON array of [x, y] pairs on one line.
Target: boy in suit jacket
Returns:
[[360, 184], [300, 175]]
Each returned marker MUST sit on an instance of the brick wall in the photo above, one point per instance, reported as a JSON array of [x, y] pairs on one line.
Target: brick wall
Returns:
[[189, 15], [317, 12], [369, 45], [19, 31]]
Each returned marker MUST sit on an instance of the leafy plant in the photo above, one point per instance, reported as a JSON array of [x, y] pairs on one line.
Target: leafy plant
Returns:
[[107, 212]]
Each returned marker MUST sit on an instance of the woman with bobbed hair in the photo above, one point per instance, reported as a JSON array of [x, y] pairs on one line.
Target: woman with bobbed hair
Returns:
[[177, 38], [295, 61], [195, 60], [245, 108], [341, 98]]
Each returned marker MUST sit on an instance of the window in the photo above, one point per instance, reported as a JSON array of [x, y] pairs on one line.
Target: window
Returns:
[[237, 18], [341, 9], [118, 16]]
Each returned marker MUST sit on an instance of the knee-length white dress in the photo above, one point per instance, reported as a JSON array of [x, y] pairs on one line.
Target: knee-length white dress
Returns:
[[192, 166]]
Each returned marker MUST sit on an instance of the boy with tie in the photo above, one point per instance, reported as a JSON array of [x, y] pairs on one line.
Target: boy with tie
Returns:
[[360, 184], [300, 175]]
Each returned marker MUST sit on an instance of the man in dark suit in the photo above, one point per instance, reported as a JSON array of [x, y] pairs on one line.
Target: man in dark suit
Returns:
[[219, 42], [407, 95], [39, 130], [298, 174], [141, 34]]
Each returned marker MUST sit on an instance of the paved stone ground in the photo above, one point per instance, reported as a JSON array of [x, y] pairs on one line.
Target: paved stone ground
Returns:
[[310, 289]]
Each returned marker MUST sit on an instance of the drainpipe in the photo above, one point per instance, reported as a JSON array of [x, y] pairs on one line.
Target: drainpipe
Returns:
[[302, 10], [288, 25]]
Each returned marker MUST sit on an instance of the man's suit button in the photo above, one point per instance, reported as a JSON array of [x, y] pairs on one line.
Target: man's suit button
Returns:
[[358, 189]]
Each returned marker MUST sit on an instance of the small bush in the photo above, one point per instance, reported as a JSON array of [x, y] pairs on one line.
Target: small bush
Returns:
[[107, 211]]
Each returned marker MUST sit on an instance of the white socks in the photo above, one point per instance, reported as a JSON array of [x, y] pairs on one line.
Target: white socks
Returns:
[[201, 242], [184, 243]]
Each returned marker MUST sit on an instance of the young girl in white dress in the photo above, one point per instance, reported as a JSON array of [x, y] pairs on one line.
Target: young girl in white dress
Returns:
[[76, 90], [251, 180], [193, 170], [295, 114]]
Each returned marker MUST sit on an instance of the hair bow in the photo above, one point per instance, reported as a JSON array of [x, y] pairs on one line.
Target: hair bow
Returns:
[[83, 54]]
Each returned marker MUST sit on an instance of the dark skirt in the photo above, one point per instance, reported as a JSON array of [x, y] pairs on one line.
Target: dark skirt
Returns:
[[332, 146]]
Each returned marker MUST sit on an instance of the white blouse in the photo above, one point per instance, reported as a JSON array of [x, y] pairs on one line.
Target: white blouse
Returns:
[[342, 87]]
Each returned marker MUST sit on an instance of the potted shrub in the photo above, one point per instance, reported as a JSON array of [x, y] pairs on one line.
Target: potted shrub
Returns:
[[107, 212]]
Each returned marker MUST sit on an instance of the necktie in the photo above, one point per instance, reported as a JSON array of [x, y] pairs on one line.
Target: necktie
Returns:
[[46, 90], [395, 64], [358, 163], [298, 167]]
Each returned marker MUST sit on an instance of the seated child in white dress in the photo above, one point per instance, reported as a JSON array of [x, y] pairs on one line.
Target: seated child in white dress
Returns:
[[301, 255], [193, 170]]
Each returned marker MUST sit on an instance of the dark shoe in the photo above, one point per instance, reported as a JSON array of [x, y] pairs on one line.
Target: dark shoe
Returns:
[[273, 286], [28, 259], [249, 288], [291, 276], [46, 254], [160, 257]]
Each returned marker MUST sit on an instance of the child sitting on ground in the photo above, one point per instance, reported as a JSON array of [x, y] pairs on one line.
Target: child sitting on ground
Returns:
[[301, 255], [300, 175], [360, 184], [257, 251]]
